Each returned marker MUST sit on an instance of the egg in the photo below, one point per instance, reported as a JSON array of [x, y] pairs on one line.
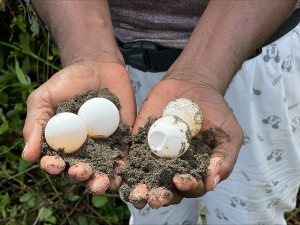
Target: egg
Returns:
[[101, 117], [188, 111], [65, 131], [170, 135]]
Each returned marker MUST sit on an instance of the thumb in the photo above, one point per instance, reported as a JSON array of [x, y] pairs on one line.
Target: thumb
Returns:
[[39, 111]]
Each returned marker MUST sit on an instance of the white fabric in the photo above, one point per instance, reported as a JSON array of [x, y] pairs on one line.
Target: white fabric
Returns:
[[185, 213], [265, 98]]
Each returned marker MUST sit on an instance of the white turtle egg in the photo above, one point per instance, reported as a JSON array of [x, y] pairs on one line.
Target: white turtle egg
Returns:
[[169, 137], [66, 131], [188, 111], [101, 117]]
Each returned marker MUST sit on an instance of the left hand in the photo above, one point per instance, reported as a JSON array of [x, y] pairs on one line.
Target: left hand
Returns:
[[225, 144]]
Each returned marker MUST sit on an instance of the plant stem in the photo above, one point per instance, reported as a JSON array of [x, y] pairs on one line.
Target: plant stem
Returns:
[[30, 54]]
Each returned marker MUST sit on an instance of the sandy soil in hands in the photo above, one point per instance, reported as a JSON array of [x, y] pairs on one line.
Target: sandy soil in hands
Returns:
[[143, 167]]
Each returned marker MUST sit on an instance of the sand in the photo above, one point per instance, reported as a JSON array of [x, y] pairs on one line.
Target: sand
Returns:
[[142, 167]]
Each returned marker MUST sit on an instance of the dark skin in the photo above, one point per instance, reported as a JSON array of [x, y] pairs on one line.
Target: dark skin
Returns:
[[227, 33]]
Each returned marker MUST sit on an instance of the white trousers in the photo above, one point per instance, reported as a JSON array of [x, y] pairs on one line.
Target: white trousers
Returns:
[[265, 97]]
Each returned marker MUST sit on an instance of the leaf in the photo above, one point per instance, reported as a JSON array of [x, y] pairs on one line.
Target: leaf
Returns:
[[111, 211], [26, 65], [54, 51], [24, 42], [23, 165], [4, 127], [25, 197], [19, 106], [23, 79], [19, 21], [35, 27], [82, 220], [7, 76], [73, 198], [29, 199], [4, 200], [3, 97], [45, 213], [99, 201], [2, 6], [51, 219]]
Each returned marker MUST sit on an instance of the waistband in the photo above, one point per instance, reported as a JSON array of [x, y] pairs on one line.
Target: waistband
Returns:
[[150, 57]]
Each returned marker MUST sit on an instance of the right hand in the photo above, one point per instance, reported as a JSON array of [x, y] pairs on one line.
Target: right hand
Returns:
[[76, 79], [224, 140]]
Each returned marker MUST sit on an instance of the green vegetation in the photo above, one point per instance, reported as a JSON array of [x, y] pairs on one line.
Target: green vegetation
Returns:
[[27, 194]]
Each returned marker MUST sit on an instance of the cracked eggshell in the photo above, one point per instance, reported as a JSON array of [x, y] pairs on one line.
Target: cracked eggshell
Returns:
[[169, 137], [65, 131], [188, 111], [101, 117]]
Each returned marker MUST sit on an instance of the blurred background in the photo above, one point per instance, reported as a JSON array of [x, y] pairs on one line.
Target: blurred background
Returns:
[[27, 195]]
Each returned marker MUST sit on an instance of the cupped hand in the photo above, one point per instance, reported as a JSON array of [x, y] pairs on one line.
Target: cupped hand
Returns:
[[225, 138], [75, 79]]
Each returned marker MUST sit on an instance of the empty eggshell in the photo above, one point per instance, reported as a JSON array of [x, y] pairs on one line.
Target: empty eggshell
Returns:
[[188, 111], [101, 117], [65, 131], [169, 137]]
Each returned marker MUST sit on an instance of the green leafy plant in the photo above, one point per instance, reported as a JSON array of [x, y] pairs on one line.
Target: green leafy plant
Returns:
[[27, 194]]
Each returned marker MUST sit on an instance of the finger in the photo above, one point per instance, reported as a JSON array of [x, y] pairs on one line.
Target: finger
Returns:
[[38, 112], [188, 186], [52, 164], [116, 79], [80, 78], [225, 145], [139, 196], [159, 197], [116, 180], [80, 171], [222, 160], [98, 184]]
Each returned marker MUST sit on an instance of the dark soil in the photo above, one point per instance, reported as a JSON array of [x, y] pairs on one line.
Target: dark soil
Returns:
[[143, 167], [102, 154]]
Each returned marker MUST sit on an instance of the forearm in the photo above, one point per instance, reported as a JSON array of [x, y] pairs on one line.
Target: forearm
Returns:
[[227, 33], [82, 30]]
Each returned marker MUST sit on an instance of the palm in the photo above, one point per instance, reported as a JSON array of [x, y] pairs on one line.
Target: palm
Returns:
[[225, 140], [73, 80]]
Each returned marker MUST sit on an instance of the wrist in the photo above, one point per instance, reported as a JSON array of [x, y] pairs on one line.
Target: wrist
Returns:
[[201, 76], [91, 53], [82, 30]]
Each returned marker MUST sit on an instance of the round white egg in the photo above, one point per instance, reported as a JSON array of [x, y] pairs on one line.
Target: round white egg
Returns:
[[188, 111], [169, 137], [101, 117], [66, 131]]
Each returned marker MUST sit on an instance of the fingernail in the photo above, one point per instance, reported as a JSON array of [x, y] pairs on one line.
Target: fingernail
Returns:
[[216, 181], [24, 150]]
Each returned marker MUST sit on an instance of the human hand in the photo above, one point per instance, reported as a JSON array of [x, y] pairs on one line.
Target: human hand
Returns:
[[76, 79], [225, 137]]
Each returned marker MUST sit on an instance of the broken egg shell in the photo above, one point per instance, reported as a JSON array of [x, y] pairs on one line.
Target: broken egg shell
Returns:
[[169, 137], [65, 131], [101, 117], [188, 111]]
